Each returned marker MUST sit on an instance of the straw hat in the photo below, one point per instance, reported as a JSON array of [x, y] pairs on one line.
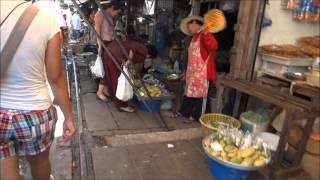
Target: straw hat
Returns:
[[185, 21], [105, 2]]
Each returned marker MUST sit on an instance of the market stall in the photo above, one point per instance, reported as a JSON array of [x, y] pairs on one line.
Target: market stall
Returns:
[[278, 69]]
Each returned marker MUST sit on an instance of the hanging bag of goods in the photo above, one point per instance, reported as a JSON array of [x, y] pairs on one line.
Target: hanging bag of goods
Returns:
[[97, 69], [124, 89]]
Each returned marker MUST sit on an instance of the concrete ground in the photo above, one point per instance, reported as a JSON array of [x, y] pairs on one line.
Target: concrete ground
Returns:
[[137, 145], [120, 145], [116, 145]]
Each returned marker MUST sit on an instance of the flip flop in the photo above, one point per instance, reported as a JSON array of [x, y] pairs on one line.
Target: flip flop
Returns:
[[102, 98], [127, 109], [189, 120], [175, 115]]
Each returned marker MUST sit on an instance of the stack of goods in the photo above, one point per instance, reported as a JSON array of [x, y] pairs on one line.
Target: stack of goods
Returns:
[[154, 86], [290, 51], [154, 91], [310, 46], [305, 10], [280, 60]]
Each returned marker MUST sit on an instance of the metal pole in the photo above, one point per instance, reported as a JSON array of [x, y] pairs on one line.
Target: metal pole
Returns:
[[67, 73], [110, 54]]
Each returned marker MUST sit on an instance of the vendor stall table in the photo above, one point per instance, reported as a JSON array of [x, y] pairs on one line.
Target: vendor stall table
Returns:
[[290, 86], [296, 109]]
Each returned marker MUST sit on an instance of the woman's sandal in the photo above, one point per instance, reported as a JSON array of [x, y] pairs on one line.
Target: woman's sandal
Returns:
[[189, 120], [175, 115], [127, 109], [102, 98]]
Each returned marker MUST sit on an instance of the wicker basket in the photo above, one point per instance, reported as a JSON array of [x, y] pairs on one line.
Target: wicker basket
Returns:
[[224, 120]]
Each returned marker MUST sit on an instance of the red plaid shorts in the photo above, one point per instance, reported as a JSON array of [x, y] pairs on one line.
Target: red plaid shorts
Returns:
[[26, 132]]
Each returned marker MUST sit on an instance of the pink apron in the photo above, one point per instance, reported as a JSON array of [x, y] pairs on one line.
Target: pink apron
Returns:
[[196, 76]]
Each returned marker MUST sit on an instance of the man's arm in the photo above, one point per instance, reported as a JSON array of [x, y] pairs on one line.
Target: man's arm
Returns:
[[97, 25], [58, 84]]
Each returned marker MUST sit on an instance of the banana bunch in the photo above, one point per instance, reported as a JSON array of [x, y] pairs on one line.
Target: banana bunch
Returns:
[[154, 90]]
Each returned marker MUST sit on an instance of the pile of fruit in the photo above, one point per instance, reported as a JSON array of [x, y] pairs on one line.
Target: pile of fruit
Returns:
[[172, 76], [229, 150], [154, 91]]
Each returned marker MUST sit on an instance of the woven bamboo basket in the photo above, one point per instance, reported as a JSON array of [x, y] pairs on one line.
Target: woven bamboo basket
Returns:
[[213, 122]]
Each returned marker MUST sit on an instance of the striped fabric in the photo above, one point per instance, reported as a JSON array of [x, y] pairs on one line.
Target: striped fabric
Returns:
[[26, 132]]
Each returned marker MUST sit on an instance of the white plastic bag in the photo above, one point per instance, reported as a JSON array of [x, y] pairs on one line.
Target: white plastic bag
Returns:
[[97, 69], [124, 89]]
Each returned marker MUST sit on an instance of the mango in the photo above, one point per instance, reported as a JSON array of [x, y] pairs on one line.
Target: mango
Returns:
[[247, 162], [225, 158], [256, 155], [229, 141], [223, 154], [232, 154], [222, 143], [206, 142], [236, 159], [259, 162], [229, 148], [215, 153], [247, 152]]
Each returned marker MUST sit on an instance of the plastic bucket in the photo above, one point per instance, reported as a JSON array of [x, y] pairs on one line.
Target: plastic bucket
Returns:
[[222, 172], [153, 104]]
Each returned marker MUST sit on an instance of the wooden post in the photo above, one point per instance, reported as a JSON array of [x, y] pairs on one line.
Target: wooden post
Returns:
[[304, 140], [244, 42], [196, 7], [220, 92], [290, 114]]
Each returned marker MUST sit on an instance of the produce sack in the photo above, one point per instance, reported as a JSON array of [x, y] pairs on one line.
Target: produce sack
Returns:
[[97, 69], [124, 89]]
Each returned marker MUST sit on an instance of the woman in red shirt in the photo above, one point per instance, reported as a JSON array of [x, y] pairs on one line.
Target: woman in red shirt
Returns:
[[137, 54], [201, 67]]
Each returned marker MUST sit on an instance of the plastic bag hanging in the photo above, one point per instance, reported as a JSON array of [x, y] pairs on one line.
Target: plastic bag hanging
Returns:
[[97, 69], [124, 89]]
